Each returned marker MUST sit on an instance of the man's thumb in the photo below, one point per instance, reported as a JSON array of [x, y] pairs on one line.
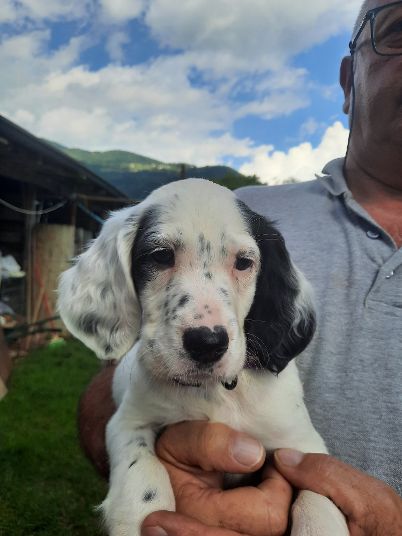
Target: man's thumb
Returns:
[[322, 474], [314, 472]]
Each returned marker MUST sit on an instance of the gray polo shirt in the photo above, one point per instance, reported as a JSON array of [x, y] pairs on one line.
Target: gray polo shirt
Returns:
[[352, 369]]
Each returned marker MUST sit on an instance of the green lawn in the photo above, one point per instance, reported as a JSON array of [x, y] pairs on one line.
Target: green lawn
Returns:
[[47, 487]]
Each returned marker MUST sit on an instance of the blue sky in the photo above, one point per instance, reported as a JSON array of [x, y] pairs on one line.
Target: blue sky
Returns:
[[250, 83]]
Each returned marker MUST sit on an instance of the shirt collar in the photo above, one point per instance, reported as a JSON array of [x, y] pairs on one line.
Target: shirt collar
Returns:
[[333, 178]]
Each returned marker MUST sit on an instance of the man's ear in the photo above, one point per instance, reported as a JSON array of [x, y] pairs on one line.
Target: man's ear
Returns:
[[346, 82]]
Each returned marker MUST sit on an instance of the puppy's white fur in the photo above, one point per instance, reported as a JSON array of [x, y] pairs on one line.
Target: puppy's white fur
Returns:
[[125, 297]]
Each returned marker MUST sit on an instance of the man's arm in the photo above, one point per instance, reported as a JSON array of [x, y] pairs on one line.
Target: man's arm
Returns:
[[95, 409]]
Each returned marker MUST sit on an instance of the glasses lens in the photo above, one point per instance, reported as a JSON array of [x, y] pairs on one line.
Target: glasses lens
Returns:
[[388, 30]]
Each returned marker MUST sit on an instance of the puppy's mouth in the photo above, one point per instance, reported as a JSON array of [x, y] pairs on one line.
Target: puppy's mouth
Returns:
[[228, 384], [186, 383]]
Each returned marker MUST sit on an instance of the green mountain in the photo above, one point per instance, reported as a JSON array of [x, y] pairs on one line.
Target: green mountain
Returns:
[[137, 175]]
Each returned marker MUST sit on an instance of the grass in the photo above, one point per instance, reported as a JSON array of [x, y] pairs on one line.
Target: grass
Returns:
[[47, 487]]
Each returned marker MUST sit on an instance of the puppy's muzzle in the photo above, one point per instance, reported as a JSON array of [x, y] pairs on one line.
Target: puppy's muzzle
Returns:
[[205, 346]]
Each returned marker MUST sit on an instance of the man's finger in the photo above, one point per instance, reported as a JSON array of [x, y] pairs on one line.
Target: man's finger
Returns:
[[172, 524], [275, 487], [351, 490], [262, 513], [210, 447]]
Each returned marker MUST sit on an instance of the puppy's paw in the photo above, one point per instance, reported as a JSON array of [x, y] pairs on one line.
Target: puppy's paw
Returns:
[[134, 496], [316, 515]]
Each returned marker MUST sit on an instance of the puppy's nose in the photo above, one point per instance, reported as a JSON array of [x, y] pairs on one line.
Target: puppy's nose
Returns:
[[204, 345]]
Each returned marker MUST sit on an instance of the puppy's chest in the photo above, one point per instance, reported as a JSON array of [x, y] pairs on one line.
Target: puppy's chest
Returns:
[[247, 408]]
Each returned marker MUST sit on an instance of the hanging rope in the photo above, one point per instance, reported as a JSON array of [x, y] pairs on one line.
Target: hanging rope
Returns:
[[33, 212]]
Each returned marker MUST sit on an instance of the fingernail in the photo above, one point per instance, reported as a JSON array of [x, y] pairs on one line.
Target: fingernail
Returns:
[[289, 457], [246, 450], [153, 531]]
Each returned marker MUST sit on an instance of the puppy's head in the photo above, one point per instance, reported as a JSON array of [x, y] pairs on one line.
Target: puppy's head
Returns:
[[196, 275]]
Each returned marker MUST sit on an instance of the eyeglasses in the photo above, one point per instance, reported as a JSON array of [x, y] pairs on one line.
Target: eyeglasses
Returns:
[[386, 30]]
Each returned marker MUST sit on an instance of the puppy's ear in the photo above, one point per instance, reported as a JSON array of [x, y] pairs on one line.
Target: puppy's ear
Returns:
[[97, 300], [281, 320]]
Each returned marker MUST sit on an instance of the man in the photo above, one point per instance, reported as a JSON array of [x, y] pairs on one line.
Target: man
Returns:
[[344, 231]]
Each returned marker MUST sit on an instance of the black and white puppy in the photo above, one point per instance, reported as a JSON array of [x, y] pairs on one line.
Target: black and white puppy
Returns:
[[197, 294]]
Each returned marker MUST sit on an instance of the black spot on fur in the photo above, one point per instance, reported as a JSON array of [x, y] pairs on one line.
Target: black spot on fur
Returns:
[[201, 243], [142, 427], [108, 349], [132, 463], [149, 495], [183, 300], [105, 291], [131, 220], [224, 291], [141, 442], [208, 275], [89, 323], [178, 244]]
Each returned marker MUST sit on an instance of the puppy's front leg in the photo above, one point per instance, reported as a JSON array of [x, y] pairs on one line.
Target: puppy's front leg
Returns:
[[139, 483], [313, 514], [316, 515]]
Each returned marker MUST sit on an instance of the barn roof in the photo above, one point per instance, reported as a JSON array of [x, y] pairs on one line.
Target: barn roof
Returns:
[[24, 157]]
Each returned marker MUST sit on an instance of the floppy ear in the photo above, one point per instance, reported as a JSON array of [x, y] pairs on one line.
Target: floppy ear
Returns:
[[97, 300], [281, 320]]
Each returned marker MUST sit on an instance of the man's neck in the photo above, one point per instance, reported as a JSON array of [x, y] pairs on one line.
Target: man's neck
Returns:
[[378, 189]]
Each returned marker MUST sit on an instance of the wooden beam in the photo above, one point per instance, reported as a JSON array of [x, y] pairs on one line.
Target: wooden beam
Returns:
[[29, 203], [104, 199]]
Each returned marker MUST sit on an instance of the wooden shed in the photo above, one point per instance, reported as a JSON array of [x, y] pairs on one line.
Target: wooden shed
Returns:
[[49, 206]]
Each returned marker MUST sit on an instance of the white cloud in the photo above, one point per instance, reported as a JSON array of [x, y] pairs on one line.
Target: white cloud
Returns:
[[40, 10], [119, 11], [115, 45], [300, 162], [252, 35], [274, 105], [7, 11]]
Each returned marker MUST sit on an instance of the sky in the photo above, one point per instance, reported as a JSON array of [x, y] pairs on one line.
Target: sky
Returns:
[[248, 83]]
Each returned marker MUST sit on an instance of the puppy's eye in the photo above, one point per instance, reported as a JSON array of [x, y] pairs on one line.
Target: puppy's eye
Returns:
[[243, 263], [164, 257]]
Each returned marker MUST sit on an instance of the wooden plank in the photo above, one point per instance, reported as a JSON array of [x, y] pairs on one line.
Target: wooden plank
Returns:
[[5, 359], [29, 203], [54, 247]]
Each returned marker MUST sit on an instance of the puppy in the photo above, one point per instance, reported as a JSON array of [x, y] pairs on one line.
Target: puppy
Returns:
[[197, 294]]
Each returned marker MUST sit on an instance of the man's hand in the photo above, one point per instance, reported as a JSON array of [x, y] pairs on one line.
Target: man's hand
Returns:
[[196, 454], [371, 507]]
